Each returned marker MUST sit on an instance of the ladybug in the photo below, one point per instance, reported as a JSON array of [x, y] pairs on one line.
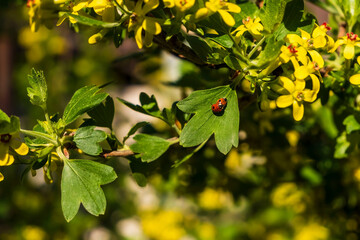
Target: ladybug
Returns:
[[219, 106]]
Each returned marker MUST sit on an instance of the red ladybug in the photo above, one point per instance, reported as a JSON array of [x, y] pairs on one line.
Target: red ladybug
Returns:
[[219, 106]]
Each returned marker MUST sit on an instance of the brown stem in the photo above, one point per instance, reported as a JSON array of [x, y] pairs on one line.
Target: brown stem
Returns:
[[121, 153]]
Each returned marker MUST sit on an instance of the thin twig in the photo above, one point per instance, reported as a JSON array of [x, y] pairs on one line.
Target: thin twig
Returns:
[[120, 153]]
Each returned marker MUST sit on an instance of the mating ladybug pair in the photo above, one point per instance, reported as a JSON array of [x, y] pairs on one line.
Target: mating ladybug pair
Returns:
[[219, 106]]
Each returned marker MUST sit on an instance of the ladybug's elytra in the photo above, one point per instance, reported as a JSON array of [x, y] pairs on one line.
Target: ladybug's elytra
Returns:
[[219, 106]]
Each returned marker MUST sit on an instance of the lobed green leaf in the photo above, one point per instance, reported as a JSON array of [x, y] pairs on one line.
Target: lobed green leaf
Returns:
[[150, 147], [80, 183], [87, 139], [204, 123]]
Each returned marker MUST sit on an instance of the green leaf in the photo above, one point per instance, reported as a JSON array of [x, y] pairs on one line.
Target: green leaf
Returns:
[[103, 114], [204, 123], [10, 127], [134, 129], [215, 22], [272, 14], [82, 101], [234, 63], [223, 40], [341, 147], [269, 54], [295, 18], [351, 123], [150, 147], [91, 21], [80, 183], [88, 139], [200, 47], [4, 117], [148, 105], [38, 90]]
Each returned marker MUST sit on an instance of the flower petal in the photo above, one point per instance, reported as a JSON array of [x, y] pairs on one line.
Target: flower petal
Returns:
[[231, 7], [228, 19], [150, 5], [309, 96], [284, 101], [286, 83], [7, 161], [298, 110], [315, 83], [80, 6], [293, 38], [151, 26], [349, 51], [319, 42], [305, 35], [138, 37], [201, 13], [169, 3], [1, 177], [316, 57], [19, 147], [338, 43], [299, 84], [355, 79], [301, 72]]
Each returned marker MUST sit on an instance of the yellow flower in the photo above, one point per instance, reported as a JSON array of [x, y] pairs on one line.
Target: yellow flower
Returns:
[[253, 26], [296, 95], [350, 40], [139, 22], [320, 38], [182, 5], [12, 141], [305, 42], [302, 72], [222, 7], [292, 52]]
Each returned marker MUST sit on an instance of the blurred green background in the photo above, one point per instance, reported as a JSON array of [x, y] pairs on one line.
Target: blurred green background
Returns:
[[281, 183]]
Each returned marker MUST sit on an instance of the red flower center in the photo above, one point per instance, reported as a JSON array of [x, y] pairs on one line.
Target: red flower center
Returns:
[[351, 36], [292, 49], [327, 27]]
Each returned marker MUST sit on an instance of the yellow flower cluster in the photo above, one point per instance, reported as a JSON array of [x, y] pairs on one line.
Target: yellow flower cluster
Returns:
[[303, 84]]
